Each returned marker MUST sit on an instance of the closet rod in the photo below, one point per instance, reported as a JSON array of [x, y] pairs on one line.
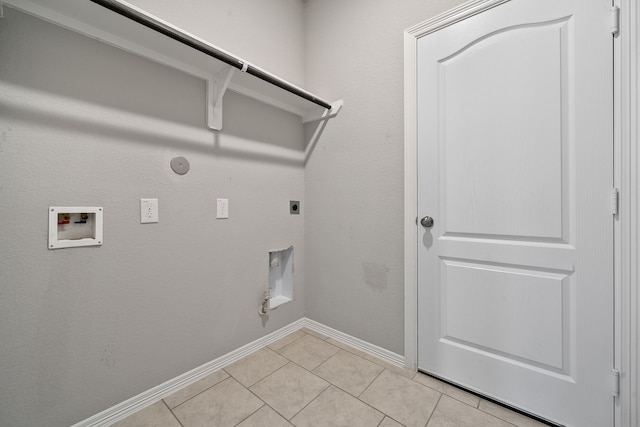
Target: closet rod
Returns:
[[208, 49]]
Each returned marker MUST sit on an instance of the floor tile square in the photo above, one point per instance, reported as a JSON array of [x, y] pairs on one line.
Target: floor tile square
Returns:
[[349, 372], [447, 389], [256, 366], [265, 417], [309, 351], [314, 333], [156, 415], [402, 399], [394, 368], [289, 389], [510, 416], [347, 387], [388, 422], [453, 413], [345, 347], [282, 342], [335, 408], [194, 389], [223, 405]]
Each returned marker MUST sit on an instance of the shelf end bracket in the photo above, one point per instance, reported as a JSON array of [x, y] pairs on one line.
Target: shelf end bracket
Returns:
[[216, 88], [336, 106]]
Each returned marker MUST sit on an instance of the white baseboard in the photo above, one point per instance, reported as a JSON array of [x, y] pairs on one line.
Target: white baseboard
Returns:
[[358, 344], [149, 397]]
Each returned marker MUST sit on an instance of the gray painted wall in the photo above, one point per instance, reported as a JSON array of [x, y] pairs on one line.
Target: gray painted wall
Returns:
[[354, 224], [269, 34], [85, 124], [82, 123]]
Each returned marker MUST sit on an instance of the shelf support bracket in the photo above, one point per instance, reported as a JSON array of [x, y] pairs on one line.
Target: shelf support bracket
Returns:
[[322, 121], [336, 106], [216, 88]]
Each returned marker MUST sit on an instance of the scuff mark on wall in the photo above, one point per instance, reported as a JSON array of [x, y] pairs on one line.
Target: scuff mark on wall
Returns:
[[376, 276], [108, 358]]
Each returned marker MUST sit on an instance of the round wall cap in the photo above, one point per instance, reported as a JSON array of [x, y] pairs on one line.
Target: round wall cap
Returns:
[[180, 165]]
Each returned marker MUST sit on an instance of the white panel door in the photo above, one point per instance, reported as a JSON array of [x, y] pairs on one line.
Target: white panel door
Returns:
[[515, 166]]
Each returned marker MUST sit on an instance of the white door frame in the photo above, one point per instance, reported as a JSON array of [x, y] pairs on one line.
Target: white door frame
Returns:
[[627, 179]]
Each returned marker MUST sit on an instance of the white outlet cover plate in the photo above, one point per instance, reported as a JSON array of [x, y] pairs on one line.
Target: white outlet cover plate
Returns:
[[222, 211], [148, 210]]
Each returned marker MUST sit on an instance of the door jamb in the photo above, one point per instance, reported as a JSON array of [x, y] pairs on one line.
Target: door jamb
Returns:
[[627, 222]]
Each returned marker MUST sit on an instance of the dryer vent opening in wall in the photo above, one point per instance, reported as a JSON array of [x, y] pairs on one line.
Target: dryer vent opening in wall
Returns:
[[280, 277]]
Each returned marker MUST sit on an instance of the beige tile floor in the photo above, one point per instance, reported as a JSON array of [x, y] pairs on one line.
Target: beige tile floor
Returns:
[[308, 380]]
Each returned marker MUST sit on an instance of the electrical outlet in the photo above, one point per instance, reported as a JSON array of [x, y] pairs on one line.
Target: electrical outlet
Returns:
[[148, 210], [223, 209]]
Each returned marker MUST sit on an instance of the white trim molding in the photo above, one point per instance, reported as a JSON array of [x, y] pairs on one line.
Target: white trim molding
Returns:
[[379, 352], [450, 17], [627, 224], [410, 204], [149, 397]]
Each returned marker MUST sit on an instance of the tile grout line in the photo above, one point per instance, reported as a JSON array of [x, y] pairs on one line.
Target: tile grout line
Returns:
[[340, 388], [282, 367], [256, 382], [493, 415], [331, 384], [464, 403], [342, 347], [312, 400], [231, 376], [367, 387], [262, 400], [371, 406], [267, 376], [174, 415], [274, 410], [452, 397], [198, 394], [417, 383], [480, 400], [478, 409], [289, 361], [434, 410], [248, 416], [286, 345], [497, 417]]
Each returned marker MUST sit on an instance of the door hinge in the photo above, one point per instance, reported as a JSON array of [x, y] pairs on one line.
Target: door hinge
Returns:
[[615, 20], [615, 382], [615, 201]]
